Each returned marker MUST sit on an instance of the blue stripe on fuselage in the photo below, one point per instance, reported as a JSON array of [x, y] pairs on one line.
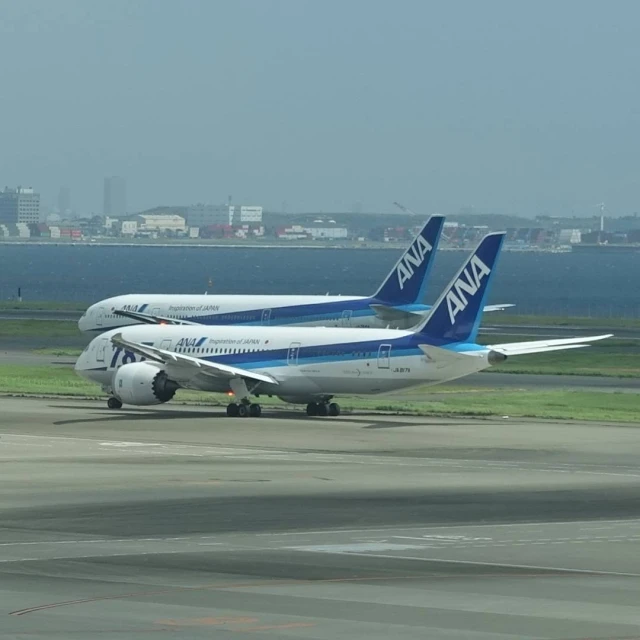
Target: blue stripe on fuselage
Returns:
[[340, 352], [298, 314]]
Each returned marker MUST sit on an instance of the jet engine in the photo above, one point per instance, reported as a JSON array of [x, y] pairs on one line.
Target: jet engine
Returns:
[[142, 384]]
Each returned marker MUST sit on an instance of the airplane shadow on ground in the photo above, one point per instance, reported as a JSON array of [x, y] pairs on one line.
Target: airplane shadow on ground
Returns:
[[114, 416]]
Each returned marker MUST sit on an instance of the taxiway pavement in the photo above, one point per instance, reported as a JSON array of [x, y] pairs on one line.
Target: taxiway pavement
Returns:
[[187, 523]]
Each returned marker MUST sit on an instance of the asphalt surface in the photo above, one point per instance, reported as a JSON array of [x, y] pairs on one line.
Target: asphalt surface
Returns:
[[189, 524]]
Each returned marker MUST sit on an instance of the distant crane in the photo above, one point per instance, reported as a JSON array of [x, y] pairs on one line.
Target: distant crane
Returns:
[[601, 206], [413, 213], [404, 209]]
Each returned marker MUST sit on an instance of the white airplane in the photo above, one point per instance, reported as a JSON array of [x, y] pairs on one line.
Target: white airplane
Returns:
[[395, 304], [145, 365]]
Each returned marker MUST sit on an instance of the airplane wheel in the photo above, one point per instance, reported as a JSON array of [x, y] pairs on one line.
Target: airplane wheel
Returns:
[[243, 411], [255, 410], [114, 403], [334, 409], [322, 409], [232, 410], [312, 409]]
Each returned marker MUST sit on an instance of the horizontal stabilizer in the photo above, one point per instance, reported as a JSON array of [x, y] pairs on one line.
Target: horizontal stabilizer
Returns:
[[396, 318], [147, 318], [443, 358], [543, 346], [400, 319]]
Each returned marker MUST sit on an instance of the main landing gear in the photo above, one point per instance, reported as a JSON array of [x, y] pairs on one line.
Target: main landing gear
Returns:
[[114, 403], [244, 410], [323, 409]]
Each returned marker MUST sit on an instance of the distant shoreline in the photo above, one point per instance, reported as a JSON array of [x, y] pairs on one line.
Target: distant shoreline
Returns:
[[255, 245]]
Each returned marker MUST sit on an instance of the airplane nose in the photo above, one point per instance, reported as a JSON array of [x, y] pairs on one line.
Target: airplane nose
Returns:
[[80, 366]]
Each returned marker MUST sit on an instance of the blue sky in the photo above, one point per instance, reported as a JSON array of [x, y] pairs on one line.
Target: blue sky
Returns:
[[503, 106]]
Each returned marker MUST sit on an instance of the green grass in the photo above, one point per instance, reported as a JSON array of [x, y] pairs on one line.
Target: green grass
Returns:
[[38, 329], [70, 352], [611, 357], [9, 305], [563, 405], [45, 380], [508, 318], [438, 401]]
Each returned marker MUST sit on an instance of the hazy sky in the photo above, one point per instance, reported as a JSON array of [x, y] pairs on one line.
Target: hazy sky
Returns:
[[512, 106]]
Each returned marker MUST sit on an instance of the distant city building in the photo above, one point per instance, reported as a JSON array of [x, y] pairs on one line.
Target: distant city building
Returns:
[[115, 196], [207, 215], [241, 215], [326, 229], [569, 236], [128, 228], [160, 222], [64, 201], [20, 205]]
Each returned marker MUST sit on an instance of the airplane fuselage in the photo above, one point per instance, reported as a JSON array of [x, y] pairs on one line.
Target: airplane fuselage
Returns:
[[255, 310], [306, 363]]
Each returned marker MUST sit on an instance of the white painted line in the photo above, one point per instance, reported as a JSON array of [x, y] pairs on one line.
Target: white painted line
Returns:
[[493, 564], [441, 526]]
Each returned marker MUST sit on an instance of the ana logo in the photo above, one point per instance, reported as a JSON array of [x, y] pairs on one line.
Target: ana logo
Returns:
[[190, 342], [414, 257], [129, 307], [468, 283]]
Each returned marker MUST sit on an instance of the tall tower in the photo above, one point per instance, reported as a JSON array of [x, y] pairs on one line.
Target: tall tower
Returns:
[[115, 196], [64, 200]]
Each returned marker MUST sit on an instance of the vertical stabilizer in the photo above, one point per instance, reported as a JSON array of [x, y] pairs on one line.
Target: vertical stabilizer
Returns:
[[456, 315], [407, 280]]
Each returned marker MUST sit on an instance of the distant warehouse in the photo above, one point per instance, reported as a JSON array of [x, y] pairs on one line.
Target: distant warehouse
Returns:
[[206, 215], [161, 222]]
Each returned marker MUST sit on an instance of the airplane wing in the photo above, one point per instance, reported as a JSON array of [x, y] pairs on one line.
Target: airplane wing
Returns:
[[497, 307], [400, 319], [196, 365], [542, 346], [147, 318]]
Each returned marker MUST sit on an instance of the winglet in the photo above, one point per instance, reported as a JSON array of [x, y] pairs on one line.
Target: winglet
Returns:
[[407, 280]]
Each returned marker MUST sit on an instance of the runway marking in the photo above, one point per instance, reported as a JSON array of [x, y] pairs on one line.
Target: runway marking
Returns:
[[440, 526], [206, 587], [208, 621], [273, 627], [109, 540], [200, 450], [492, 564]]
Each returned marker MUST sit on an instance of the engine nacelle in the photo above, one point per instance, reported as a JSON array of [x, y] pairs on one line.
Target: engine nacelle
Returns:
[[143, 384]]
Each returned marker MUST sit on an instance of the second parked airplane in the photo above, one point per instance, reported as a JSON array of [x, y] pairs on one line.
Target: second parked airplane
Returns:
[[396, 304]]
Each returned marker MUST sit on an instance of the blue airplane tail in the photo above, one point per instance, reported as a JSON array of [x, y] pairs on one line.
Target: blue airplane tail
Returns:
[[456, 315], [406, 282]]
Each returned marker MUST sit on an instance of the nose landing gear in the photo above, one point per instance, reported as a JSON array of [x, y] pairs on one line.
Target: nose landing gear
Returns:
[[114, 403]]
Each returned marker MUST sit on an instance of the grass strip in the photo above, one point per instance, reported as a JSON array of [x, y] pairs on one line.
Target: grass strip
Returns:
[[508, 318], [13, 305], [70, 352], [39, 329], [610, 358]]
